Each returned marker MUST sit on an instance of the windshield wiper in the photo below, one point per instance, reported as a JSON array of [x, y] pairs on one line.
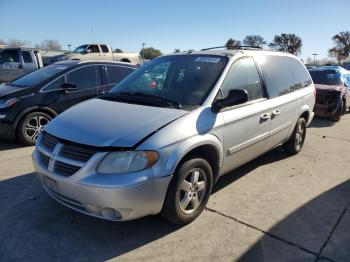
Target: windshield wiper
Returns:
[[159, 99]]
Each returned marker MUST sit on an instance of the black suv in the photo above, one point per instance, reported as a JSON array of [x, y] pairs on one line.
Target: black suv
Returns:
[[29, 102]]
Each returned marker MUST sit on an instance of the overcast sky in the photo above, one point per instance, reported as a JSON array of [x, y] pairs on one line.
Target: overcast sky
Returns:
[[167, 25]]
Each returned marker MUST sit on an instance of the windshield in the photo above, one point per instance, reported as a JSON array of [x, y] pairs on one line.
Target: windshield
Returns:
[[184, 80], [80, 49], [38, 76], [326, 77]]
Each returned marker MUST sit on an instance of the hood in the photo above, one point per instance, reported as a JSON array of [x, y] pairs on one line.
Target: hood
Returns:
[[329, 88], [105, 123], [11, 91]]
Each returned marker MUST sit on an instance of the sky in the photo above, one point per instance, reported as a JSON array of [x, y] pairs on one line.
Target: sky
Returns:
[[167, 25]]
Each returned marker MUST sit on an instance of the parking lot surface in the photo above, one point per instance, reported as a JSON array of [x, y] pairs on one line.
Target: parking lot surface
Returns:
[[275, 208]]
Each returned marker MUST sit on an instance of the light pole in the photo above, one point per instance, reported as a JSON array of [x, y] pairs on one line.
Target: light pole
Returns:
[[142, 53], [315, 58], [69, 45]]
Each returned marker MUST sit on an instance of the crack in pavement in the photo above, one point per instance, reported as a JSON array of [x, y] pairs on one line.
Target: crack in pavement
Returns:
[[319, 256], [270, 234]]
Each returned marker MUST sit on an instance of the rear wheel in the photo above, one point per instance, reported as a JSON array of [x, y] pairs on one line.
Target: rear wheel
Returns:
[[188, 191], [336, 117], [296, 141], [31, 125]]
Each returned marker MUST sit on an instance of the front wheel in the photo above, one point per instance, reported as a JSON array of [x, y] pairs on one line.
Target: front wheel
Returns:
[[188, 191], [31, 125], [295, 143]]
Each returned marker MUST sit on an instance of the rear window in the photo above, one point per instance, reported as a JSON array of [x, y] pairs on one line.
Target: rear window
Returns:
[[326, 77], [117, 73], [104, 48], [283, 74], [27, 58]]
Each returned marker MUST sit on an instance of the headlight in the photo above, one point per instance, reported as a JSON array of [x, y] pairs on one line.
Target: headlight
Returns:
[[7, 103], [127, 162]]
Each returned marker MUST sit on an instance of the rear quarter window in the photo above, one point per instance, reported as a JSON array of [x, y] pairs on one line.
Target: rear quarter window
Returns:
[[283, 74]]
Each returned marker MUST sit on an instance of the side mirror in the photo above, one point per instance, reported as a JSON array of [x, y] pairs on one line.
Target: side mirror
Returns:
[[87, 51], [66, 87], [235, 97]]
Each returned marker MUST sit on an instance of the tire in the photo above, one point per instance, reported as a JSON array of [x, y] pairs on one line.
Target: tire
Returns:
[[295, 143], [30, 126], [345, 106], [188, 191], [337, 116]]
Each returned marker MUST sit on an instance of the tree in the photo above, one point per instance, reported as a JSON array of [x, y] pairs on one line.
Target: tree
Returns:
[[288, 43], [2, 42], [254, 40], [177, 50], [49, 44], [118, 50], [341, 49], [233, 43], [150, 53], [17, 43]]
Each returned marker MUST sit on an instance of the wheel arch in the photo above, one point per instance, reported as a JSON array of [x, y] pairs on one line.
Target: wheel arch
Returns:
[[210, 149], [25, 112]]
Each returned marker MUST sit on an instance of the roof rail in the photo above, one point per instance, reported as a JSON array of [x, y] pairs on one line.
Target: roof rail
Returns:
[[244, 47]]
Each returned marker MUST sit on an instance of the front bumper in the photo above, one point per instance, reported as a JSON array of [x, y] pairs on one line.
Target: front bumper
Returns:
[[117, 201], [6, 130]]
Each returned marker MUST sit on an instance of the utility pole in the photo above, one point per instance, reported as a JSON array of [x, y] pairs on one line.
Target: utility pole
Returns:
[[142, 53], [69, 45], [315, 58]]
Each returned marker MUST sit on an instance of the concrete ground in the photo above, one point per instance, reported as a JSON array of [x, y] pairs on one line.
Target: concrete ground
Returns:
[[276, 208]]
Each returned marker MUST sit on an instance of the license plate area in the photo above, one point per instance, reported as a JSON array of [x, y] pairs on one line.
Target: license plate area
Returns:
[[51, 184]]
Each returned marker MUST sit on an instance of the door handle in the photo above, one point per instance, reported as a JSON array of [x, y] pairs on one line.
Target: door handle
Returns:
[[20, 66], [275, 113], [264, 117]]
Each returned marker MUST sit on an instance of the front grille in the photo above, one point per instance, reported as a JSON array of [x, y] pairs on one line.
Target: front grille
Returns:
[[44, 159], [77, 153], [65, 169], [71, 156], [49, 141]]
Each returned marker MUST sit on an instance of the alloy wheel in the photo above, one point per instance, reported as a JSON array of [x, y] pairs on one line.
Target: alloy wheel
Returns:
[[34, 126]]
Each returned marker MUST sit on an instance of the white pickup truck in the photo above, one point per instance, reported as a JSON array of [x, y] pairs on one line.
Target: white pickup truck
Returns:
[[15, 62], [97, 52]]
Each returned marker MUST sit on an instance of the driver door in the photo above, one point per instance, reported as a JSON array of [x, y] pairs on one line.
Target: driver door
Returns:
[[10, 65]]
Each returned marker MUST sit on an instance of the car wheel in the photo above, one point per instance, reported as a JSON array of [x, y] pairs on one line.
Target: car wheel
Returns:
[[188, 191], [295, 143], [345, 106], [336, 117], [31, 125]]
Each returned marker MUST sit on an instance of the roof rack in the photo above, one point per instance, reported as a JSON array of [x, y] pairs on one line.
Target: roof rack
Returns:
[[244, 47]]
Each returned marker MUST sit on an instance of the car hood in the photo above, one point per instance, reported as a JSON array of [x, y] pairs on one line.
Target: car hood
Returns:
[[103, 123], [7, 90], [329, 88]]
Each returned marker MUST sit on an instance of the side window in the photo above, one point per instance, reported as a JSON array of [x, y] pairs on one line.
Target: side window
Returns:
[[27, 58], [93, 48], [9, 56], [117, 73], [84, 77], [243, 75], [278, 77], [56, 84], [104, 48], [301, 77]]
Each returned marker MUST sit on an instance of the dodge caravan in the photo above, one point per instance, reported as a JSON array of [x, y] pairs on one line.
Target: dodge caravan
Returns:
[[159, 140]]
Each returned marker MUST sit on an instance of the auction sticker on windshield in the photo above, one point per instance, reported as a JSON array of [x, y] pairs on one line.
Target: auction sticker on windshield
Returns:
[[207, 59]]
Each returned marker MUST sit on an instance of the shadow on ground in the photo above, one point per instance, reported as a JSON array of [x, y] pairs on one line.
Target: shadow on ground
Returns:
[[322, 216], [7, 145], [318, 122]]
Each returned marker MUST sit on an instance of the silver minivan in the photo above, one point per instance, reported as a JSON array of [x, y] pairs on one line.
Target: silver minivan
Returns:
[[159, 140]]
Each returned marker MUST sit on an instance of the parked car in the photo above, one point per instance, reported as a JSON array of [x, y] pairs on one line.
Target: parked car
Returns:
[[332, 94], [97, 52], [141, 150], [28, 103], [15, 62]]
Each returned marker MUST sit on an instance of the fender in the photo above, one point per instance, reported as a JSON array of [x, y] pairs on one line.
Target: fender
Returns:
[[183, 148], [31, 109]]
